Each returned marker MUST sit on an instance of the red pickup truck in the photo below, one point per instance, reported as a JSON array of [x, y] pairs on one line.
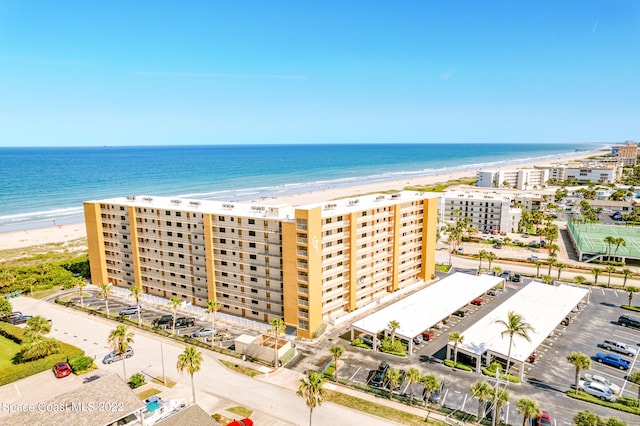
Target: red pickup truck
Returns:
[[428, 335]]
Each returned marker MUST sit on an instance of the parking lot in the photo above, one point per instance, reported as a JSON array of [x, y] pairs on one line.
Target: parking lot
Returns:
[[546, 380], [148, 313]]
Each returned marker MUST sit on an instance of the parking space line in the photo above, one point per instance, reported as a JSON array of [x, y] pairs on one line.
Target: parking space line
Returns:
[[354, 374]]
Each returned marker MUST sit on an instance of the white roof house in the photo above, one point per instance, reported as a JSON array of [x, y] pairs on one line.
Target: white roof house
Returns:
[[543, 306], [427, 307]]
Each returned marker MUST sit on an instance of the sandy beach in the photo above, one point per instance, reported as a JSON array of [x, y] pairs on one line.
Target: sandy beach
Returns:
[[75, 231]]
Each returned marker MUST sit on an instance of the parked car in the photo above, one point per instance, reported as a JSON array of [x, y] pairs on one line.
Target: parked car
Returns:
[[596, 389], [369, 340], [164, 321], [488, 412], [203, 332], [462, 312], [478, 302], [613, 360], [437, 395], [185, 322], [620, 347], [244, 422], [428, 335], [544, 420], [588, 377], [533, 258], [533, 357], [13, 314], [129, 310], [378, 377], [418, 339], [112, 356], [627, 321], [61, 369], [19, 320], [516, 278], [494, 292]]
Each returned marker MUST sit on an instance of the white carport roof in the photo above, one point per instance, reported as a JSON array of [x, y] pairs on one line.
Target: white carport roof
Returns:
[[427, 307], [541, 305]]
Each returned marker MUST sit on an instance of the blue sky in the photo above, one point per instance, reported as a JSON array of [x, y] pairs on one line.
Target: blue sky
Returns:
[[81, 73]]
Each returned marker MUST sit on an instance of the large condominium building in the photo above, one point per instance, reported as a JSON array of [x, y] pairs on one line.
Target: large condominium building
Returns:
[[627, 154], [594, 171], [523, 179], [307, 264]]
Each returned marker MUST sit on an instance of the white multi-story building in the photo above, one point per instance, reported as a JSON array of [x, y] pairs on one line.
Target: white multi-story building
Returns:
[[523, 179], [497, 210]]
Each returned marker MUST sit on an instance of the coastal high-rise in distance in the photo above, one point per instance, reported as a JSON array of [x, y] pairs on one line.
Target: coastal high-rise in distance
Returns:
[[308, 264]]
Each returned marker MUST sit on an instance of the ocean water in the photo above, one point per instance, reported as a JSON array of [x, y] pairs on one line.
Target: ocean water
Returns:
[[39, 185]]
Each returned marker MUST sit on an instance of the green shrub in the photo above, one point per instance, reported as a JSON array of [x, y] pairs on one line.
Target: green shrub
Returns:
[[81, 364], [491, 371], [136, 381], [359, 343], [394, 348], [20, 371], [590, 398], [629, 402], [459, 366]]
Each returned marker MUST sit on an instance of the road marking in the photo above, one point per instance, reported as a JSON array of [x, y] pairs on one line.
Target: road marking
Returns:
[[354, 374]]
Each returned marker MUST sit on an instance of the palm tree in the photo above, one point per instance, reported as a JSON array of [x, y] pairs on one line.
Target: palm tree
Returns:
[[500, 398], [37, 325], [515, 326], [580, 280], [619, 242], [581, 362], [552, 260], [560, 267], [212, 308], [431, 384], [483, 391], [105, 290], [277, 326], [38, 346], [457, 338], [632, 290], [336, 353], [119, 339], [490, 256], [393, 326], [81, 283], [548, 279], [413, 376], [538, 263], [174, 303], [392, 376], [480, 255], [312, 392], [627, 274], [528, 408], [610, 270], [190, 360], [596, 273], [609, 239], [136, 291]]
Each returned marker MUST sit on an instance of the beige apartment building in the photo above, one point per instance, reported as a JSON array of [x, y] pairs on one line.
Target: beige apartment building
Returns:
[[306, 264], [626, 154]]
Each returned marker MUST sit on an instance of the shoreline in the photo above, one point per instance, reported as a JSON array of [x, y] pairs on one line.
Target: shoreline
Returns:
[[62, 233]]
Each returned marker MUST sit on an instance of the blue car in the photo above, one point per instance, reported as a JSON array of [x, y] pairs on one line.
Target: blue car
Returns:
[[613, 360]]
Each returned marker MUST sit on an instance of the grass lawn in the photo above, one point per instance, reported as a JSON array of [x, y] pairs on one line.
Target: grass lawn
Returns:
[[8, 349]]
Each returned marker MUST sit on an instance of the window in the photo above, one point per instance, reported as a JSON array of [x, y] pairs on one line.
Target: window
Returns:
[[221, 218], [168, 222], [252, 221], [252, 233], [253, 256]]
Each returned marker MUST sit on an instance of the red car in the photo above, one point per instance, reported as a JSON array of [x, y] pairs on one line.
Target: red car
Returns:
[[543, 420], [478, 302], [243, 422], [428, 335], [61, 369]]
